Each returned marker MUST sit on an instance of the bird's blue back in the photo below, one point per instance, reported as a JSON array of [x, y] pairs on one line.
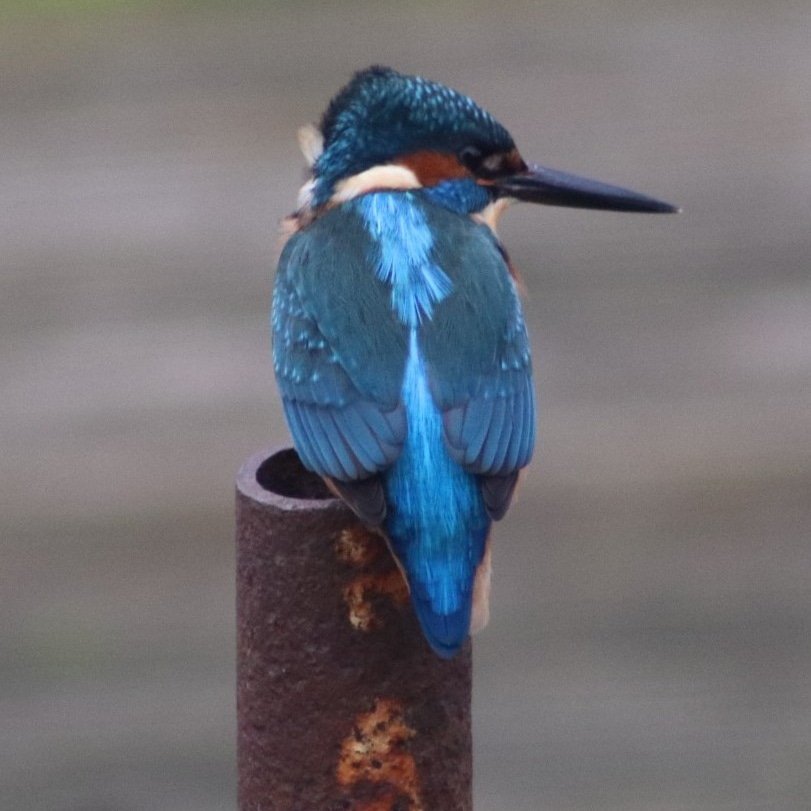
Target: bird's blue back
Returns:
[[404, 367]]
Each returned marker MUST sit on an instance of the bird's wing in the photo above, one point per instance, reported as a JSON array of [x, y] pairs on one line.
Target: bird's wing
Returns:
[[339, 355], [479, 366]]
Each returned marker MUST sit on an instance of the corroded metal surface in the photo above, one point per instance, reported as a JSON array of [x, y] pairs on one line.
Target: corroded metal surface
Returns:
[[341, 703]]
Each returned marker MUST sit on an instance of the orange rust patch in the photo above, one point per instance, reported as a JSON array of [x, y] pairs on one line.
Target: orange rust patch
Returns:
[[433, 167], [359, 594], [375, 751], [358, 546], [364, 549]]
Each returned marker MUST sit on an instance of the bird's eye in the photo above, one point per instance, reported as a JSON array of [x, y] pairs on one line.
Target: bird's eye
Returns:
[[471, 157]]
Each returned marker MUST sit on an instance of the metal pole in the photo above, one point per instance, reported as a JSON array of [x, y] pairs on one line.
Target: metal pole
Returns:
[[341, 704]]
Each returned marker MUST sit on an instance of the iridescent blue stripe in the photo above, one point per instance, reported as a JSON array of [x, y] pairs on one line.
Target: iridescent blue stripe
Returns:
[[398, 226], [437, 508]]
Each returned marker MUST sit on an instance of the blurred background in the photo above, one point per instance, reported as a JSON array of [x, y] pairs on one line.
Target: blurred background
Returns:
[[649, 647]]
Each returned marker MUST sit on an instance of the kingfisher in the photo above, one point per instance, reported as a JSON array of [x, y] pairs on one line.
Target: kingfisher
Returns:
[[399, 343]]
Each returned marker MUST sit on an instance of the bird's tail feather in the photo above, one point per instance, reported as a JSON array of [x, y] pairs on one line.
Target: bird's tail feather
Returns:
[[445, 632]]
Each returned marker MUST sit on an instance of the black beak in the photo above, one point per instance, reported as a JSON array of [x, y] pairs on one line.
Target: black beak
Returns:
[[552, 188]]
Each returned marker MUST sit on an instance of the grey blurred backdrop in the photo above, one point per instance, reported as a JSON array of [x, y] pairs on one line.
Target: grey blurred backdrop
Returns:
[[649, 647]]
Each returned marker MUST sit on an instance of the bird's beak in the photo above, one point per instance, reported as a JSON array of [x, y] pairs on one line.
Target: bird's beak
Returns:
[[537, 184]]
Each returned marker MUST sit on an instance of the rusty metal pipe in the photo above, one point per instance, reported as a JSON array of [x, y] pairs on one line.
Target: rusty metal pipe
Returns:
[[341, 704]]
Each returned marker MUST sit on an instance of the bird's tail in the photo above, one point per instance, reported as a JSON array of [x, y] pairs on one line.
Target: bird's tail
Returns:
[[441, 572], [436, 517], [445, 631]]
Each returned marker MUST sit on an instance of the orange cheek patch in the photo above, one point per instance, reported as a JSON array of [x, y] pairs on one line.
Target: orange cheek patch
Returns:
[[433, 167]]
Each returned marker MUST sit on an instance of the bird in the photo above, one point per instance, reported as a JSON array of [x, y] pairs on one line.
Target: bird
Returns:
[[399, 344]]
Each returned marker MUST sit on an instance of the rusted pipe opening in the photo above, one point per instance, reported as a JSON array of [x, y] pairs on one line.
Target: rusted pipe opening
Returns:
[[341, 703], [284, 474]]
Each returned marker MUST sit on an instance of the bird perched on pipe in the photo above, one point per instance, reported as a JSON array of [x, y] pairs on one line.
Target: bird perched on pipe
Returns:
[[399, 342]]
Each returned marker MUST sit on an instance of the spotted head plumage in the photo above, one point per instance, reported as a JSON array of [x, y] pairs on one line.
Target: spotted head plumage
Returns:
[[382, 116]]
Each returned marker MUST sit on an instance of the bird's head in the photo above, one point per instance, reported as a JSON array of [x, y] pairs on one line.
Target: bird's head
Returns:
[[389, 130]]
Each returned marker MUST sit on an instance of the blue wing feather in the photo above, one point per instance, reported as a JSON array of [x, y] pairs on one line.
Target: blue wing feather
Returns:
[[370, 449], [323, 444], [484, 385], [474, 431], [335, 429], [301, 434], [339, 378], [496, 431], [512, 447], [502, 445]]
